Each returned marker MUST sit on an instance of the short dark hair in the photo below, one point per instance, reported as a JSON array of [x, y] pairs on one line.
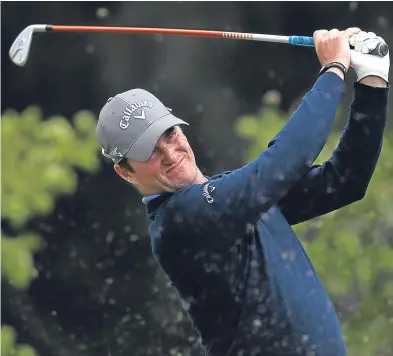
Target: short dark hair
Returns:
[[125, 165]]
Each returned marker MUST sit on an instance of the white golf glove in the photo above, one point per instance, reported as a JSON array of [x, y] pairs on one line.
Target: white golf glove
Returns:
[[368, 64]]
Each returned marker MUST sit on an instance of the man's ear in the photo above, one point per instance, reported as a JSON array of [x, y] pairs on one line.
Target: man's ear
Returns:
[[125, 174]]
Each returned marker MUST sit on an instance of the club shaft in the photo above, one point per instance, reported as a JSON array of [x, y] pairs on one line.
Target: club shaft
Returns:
[[173, 31], [381, 49]]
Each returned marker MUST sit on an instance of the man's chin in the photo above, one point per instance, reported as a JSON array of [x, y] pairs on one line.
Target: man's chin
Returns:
[[180, 185]]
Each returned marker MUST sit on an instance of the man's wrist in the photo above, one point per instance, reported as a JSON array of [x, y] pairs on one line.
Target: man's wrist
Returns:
[[374, 81], [336, 70]]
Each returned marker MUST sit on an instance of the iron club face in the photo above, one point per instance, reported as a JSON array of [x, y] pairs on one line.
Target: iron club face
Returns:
[[19, 51]]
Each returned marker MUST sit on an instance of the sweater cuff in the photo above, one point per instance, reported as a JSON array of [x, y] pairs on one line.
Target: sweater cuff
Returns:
[[331, 83], [370, 100]]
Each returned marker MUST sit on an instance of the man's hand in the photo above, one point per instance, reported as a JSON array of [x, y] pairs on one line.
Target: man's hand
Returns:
[[370, 69], [333, 45]]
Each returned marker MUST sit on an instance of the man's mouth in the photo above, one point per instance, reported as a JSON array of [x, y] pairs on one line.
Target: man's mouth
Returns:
[[175, 166]]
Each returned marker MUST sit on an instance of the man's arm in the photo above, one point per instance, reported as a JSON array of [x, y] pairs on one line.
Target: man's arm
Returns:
[[344, 178]]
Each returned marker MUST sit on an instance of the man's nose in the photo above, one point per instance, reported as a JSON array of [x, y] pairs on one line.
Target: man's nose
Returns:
[[169, 154]]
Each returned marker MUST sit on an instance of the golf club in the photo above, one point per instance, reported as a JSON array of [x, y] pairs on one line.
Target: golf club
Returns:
[[20, 49]]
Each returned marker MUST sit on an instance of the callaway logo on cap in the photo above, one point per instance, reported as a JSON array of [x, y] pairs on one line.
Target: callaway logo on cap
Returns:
[[131, 123], [130, 110]]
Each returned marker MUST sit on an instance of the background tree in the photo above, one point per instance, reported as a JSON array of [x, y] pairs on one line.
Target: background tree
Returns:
[[39, 163]]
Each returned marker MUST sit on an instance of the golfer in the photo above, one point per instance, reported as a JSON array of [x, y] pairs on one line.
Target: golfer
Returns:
[[225, 242]]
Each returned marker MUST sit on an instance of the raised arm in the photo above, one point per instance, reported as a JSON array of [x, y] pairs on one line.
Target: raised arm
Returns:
[[344, 178]]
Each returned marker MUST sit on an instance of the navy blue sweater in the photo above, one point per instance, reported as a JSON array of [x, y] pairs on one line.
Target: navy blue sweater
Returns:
[[228, 248]]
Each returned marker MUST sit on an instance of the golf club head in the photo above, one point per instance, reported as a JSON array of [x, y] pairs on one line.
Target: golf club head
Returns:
[[19, 51]]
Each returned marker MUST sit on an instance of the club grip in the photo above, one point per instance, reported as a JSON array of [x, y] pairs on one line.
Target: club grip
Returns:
[[301, 41], [380, 50]]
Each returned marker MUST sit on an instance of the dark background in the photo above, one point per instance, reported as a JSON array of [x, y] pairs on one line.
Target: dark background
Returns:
[[99, 291]]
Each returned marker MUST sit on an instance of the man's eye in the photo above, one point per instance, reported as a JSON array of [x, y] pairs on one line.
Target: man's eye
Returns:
[[172, 135]]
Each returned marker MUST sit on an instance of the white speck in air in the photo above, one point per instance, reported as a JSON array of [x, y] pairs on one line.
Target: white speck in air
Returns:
[[271, 74], [272, 98], [383, 22], [126, 318], [257, 323], [281, 176], [309, 273], [109, 281], [109, 237], [82, 346], [158, 38], [199, 108], [102, 12], [90, 48], [254, 264], [134, 238], [353, 5], [292, 255]]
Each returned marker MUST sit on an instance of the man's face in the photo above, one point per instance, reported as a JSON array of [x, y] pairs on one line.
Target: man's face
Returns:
[[171, 167]]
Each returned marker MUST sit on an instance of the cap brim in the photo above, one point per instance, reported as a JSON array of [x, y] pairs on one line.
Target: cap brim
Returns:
[[142, 149]]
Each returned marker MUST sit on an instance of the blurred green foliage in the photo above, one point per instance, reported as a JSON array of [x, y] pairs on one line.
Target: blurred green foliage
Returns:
[[10, 348], [39, 162], [348, 247]]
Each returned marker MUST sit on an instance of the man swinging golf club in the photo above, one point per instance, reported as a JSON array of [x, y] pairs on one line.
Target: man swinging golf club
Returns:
[[224, 241]]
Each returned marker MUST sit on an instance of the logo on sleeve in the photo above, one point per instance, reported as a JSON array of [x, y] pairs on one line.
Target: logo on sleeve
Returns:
[[207, 193]]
